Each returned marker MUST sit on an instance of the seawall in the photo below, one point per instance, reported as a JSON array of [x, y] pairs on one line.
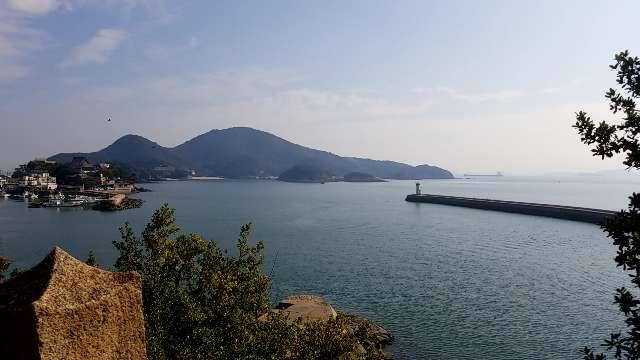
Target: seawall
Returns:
[[594, 216]]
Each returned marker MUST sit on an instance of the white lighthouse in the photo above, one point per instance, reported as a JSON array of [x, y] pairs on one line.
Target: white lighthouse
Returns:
[[418, 192]]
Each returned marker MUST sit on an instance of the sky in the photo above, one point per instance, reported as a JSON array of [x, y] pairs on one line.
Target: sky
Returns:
[[466, 85]]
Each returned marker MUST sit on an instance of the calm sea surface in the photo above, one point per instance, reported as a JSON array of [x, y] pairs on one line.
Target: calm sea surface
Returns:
[[451, 283]]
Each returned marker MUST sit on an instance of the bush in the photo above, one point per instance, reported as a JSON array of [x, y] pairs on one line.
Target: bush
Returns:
[[4, 266], [202, 303]]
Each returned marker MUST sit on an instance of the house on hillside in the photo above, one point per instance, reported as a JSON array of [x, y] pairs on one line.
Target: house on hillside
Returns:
[[40, 180]]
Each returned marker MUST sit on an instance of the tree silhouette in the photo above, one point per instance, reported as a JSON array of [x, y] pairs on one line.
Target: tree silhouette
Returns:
[[607, 139]]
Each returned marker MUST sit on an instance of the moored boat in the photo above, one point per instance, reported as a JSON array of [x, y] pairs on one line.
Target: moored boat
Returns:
[[69, 201]]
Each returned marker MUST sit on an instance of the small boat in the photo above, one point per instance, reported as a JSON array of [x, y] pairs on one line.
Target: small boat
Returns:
[[81, 199], [54, 200], [497, 174], [69, 201], [28, 195]]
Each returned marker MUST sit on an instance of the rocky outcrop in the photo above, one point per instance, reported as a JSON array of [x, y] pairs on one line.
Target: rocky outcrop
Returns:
[[306, 308], [124, 204], [382, 337], [65, 309]]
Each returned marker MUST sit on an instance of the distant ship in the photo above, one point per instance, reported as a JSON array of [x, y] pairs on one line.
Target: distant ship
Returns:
[[497, 174]]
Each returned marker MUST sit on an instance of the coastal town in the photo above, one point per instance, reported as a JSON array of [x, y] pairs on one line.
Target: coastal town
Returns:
[[79, 183]]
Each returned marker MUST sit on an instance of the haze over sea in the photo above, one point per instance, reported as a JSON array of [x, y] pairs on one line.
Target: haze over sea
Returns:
[[449, 282]]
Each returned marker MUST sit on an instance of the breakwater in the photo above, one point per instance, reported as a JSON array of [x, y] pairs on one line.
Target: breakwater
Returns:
[[594, 216]]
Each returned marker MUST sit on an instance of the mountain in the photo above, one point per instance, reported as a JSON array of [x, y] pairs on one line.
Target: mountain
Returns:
[[241, 152], [132, 150], [245, 152], [398, 171]]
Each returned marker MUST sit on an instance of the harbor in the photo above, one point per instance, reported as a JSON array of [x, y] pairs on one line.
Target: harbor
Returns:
[[79, 184], [574, 213]]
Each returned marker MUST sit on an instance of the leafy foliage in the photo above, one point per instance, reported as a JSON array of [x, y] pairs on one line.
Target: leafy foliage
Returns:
[[62, 172], [16, 271], [608, 139], [91, 259], [343, 338], [67, 174], [202, 303], [4, 265], [33, 166]]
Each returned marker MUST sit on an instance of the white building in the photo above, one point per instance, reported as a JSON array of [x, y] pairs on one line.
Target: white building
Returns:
[[42, 180]]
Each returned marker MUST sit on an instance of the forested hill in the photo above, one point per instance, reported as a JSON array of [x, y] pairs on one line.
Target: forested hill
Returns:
[[245, 152]]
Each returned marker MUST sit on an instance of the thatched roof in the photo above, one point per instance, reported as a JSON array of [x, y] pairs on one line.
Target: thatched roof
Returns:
[[65, 309]]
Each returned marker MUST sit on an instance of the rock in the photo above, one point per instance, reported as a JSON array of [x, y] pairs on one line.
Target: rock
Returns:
[[63, 308], [124, 204], [382, 336], [313, 308], [306, 308]]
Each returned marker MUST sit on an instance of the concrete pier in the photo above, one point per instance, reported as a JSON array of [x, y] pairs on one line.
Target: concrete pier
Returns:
[[594, 216]]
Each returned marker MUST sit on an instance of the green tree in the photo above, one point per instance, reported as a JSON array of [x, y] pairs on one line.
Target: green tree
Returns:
[[202, 303], [199, 303], [4, 266], [62, 172], [607, 139], [91, 259]]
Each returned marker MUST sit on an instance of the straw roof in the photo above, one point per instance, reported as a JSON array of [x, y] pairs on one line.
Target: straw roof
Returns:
[[63, 308]]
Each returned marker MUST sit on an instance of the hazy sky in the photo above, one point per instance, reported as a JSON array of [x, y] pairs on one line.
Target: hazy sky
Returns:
[[466, 85]]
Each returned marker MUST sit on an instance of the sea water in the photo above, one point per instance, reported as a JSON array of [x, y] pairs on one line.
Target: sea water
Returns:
[[449, 282]]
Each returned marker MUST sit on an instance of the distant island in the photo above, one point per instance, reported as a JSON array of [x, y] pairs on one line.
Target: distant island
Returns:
[[307, 173], [361, 177], [241, 152]]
